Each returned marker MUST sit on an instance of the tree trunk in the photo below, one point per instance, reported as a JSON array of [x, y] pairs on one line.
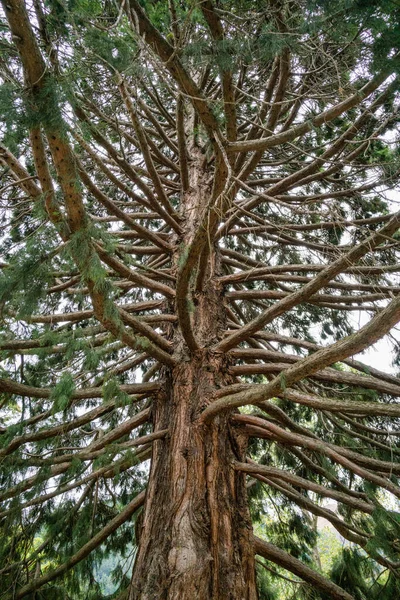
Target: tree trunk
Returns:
[[195, 539]]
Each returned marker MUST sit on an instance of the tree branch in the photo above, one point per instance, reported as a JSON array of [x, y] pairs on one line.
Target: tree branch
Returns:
[[295, 566], [91, 545]]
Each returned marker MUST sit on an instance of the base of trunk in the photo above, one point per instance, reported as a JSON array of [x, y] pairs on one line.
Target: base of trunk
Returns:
[[195, 540]]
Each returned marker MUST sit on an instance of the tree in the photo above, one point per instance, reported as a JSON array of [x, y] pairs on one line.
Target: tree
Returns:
[[195, 209]]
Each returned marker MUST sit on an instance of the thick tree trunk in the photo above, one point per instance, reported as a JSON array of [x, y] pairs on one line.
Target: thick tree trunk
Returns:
[[195, 538]]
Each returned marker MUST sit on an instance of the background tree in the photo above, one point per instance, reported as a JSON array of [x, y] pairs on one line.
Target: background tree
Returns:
[[195, 218]]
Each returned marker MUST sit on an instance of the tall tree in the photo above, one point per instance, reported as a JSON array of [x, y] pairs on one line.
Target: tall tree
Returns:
[[197, 240]]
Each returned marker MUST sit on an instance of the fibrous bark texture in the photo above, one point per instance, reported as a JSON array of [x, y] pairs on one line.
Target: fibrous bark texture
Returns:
[[195, 537]]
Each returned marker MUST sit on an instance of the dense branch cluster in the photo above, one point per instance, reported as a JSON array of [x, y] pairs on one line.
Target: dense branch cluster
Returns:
[[114, 113]]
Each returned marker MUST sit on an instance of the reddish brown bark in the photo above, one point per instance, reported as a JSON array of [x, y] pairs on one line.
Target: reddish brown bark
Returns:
[[195, 538]]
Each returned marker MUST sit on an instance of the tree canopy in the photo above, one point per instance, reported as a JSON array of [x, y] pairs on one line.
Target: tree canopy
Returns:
[[198, 196]]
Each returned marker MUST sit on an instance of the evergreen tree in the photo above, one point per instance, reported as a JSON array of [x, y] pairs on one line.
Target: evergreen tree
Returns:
[[198, 236]]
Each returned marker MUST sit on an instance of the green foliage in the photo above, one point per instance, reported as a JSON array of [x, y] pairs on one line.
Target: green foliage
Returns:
[[112, 391], [42, 107], [114, 48], [386, 533], [382, 17], [352, 572], [11, 117], [62, 392], [329, 548], [50, 490], [266, 589], [25, 278], [81, 249]]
